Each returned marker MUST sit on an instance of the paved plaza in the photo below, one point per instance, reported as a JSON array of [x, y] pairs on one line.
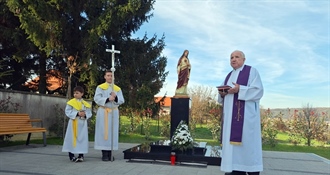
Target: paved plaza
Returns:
[[38, 160]]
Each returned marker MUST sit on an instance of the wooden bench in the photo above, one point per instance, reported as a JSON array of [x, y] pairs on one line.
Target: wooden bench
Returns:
[[12, 123]]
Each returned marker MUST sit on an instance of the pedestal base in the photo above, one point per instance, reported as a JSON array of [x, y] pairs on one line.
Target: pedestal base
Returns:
[[179, 111]]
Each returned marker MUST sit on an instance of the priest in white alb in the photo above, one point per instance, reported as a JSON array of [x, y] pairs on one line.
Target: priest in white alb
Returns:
[[108, 99], [241, 128]]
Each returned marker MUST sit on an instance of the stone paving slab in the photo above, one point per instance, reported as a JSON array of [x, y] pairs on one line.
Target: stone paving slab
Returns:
[[38, 160]]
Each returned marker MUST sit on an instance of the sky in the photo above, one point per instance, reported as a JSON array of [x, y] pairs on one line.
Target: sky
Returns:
[[287, 41]]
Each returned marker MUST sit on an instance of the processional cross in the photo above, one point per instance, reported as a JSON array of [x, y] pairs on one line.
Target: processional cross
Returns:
[[113, 52]]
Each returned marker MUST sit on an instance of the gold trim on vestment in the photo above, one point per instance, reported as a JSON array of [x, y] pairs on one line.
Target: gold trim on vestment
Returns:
[[236, 143], [106, 113], [75, 131], [238, 110]]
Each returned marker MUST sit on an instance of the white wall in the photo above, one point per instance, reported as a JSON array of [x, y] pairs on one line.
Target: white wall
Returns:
[[36, 105]]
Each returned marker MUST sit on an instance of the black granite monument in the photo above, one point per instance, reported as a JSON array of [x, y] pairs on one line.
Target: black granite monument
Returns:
[[179, 111]]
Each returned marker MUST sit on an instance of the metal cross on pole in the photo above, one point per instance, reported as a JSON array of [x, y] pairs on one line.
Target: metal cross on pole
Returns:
[[113, 52]]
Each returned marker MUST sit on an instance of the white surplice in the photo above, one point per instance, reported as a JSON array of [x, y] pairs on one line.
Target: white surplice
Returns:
[[100, 98], [247, 156], [82, 133]]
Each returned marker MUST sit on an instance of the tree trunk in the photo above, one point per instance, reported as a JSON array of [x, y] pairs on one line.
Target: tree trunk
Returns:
[[68, 93], [42, 73]]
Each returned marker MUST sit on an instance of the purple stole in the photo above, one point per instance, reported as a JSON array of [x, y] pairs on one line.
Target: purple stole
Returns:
[[237, 119]]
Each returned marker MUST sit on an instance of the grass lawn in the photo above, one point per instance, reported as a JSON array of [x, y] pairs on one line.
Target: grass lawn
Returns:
[[138, 138], [201, 134]]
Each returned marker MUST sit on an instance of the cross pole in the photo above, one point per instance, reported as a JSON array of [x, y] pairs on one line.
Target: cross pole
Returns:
[[113, 52]]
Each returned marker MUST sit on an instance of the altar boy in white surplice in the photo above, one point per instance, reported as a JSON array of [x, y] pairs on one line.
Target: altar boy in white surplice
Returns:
[[241, 129], [76, 136], [108, 99]]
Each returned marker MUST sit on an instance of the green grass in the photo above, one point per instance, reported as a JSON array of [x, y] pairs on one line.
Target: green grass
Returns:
[[201, 134], [138, 138], [283, 138]]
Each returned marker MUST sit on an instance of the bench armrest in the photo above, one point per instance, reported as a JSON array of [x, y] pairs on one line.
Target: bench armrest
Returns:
[[36, 120]]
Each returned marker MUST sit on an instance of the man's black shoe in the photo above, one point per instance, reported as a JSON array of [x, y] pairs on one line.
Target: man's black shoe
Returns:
[[73, 159], [80, 159], [236, 173], [104, 155]]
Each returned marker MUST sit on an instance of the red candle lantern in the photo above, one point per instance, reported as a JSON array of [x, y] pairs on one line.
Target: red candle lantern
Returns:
[[173, 158]]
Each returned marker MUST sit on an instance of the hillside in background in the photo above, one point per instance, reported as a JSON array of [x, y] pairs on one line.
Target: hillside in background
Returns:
[[287, 112]]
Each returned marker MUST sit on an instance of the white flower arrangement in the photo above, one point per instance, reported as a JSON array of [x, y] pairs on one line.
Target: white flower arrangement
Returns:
[[181, 139]]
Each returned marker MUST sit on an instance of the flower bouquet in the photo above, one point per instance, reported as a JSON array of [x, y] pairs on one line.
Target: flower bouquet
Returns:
[[181, 139]]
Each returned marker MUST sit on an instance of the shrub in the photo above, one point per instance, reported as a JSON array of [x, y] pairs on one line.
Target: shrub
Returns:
[[215, 124], [7, 106], [165, 126], [59, 122], [192, 126], [269, 131], [92, 120], [280, 124], [146, 127]]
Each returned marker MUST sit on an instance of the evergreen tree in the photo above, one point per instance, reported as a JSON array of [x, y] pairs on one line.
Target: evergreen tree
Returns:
[[84, 29], [141, 70], [17, 61]]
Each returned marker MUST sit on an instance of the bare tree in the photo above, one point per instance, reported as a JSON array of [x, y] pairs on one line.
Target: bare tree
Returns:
[[200, 97]]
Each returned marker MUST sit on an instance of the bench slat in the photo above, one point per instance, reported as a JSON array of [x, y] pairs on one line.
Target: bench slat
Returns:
[[16, 114], [23, 131], [20, 128], [20, 132]]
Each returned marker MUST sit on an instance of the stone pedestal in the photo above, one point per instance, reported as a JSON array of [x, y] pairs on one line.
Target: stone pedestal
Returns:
[[179, 111]]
